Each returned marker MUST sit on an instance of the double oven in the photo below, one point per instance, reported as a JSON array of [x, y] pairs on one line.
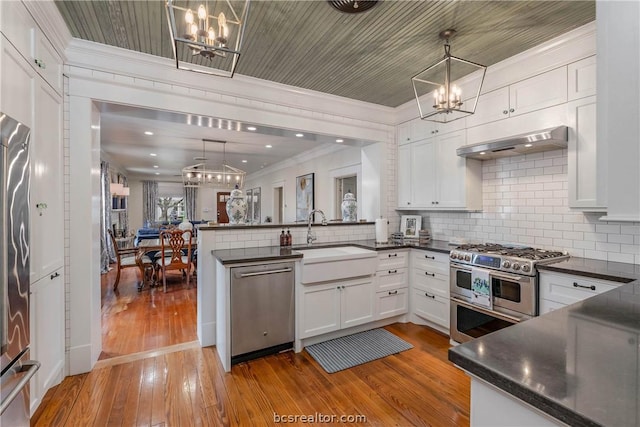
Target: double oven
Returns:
[[513, 288]]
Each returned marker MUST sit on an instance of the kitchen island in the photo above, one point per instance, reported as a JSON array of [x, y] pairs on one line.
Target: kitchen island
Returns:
[[577, 365]]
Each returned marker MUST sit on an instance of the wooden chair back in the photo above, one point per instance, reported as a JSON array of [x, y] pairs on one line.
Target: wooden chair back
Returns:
[[172, 244]]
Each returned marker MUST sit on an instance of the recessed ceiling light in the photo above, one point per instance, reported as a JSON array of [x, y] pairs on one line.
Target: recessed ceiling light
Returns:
[[482, 153], [269, 146], [244, 161], [299, 135], [152, 154], [339, 140], [251, 128], [95, 127], [528, 145], [148, 133], [155, 166], [157, 173]]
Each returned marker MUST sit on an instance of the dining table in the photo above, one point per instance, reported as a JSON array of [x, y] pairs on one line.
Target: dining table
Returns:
[[151, 247]]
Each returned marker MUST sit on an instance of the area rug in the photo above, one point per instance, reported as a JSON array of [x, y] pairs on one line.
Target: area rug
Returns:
[[352, 350]]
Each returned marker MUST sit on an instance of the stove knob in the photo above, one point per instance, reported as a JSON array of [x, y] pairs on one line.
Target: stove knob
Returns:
[[454, 255], [525, 268], [506, 264], [467, 257], [516, 266]]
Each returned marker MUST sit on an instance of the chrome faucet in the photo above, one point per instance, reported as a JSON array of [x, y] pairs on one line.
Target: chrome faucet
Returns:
[[311, 237]]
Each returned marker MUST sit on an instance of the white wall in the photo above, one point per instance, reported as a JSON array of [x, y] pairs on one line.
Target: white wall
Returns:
[[322, 166], [134, 205]]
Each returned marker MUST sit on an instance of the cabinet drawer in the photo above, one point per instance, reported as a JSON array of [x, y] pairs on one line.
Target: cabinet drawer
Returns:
[[431, 307], [568, 289], [389, 260], [391, 279], [434, 283], [432, 261], [391, 303]]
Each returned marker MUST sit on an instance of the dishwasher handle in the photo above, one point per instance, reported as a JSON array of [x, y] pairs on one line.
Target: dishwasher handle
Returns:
[[262, 273]]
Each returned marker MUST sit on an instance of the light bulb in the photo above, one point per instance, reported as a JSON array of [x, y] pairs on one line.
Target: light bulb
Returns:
[[228, 177], [237, 177], [189, 175], [209, 177], [212, 37], [202, 12], [194, 30], [219, 177], [199, 175], [188, 17]]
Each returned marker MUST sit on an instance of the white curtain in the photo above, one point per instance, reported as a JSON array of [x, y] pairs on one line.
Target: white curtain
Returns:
[[190, 199], [149, 202]]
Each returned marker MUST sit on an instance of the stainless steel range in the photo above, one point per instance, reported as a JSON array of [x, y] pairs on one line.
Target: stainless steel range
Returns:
[[513, 279]]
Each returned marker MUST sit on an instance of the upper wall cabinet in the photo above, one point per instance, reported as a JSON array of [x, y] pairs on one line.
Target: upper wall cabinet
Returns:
[[538, 92], [24, 34], [417, 130], [582, 78], [432, 176]]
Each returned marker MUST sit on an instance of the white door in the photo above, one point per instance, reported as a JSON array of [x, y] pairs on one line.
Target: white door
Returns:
[[451, 171], [491, 106], [320, 310], [404, 176], [536, 93], [357, 302], [423, 174]]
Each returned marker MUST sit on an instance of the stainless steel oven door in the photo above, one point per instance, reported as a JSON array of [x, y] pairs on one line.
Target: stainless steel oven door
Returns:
[[469, 321], [514, 292], [460, 280]]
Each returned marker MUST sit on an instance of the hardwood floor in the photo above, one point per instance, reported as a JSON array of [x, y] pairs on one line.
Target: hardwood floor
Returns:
[[134, 321], [188, 387]]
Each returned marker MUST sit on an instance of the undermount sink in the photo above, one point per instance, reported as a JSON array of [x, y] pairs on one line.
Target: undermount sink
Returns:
[[336, 263]]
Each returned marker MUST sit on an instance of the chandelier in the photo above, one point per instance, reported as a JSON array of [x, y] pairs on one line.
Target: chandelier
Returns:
[[208, 39], [439, 99], [200, 176]]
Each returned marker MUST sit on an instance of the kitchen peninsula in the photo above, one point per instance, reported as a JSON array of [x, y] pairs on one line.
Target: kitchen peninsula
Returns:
[[576, 365]]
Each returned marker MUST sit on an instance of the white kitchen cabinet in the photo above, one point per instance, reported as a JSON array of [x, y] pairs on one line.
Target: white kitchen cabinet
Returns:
[[432, 176], [559, 290], [587, 188], [337, 305], [18, 80], [47, 333], [581, 78], [535, 93], [429, 285], [392, 282], [418, 129]]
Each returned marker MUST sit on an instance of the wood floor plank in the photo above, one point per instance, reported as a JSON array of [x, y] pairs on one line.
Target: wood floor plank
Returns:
[[189, 387]]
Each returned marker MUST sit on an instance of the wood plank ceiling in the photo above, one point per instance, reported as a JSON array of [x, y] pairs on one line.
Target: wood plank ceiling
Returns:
[[369, 57]]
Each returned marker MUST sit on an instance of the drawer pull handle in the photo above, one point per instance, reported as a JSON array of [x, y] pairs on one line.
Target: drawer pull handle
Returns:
[[429, 257], [393, 271], [393, 292], [54, 275], [392, 255], [592, 287], [430, 274], [426, 294]]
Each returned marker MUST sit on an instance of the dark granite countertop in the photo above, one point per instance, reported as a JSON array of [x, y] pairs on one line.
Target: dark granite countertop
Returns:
[[578, 364], [596, 269], [206, 227], [276, 253]]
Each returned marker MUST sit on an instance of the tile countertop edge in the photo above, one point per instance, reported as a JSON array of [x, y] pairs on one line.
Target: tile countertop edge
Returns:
[[526, 395]]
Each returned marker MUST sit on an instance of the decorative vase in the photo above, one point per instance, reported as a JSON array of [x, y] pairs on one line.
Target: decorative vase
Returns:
[[349, 208], [236, 207]]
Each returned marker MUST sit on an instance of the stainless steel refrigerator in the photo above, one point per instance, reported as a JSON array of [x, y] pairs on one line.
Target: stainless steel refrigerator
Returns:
[[17, 369]]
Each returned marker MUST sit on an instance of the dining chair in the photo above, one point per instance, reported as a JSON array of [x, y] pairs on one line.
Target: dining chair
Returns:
[[129, 257], [173, 255]]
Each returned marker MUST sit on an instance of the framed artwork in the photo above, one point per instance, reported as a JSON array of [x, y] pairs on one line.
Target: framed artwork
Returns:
[[304, 196], [410, 225]]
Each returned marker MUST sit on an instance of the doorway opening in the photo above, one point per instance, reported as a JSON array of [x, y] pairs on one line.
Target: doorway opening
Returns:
[[278, 204]]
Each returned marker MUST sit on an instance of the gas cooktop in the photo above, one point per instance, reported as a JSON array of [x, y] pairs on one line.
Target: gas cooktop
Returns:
[[519, 259]]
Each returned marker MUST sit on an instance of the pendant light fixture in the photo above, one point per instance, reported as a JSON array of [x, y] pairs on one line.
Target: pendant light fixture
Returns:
[[208, 39], [449, 89], [199, 175]]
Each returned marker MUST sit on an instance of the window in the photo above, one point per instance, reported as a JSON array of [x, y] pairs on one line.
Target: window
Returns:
[[170, 209]]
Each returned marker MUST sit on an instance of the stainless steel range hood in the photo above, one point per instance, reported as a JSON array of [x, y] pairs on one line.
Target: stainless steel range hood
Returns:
[[533, 142]]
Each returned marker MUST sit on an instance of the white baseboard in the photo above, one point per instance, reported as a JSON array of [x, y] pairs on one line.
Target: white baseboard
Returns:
[[80, 360], [207, 334]]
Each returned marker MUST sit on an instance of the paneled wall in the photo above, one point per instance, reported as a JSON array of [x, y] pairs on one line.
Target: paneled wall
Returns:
[[525, 202]]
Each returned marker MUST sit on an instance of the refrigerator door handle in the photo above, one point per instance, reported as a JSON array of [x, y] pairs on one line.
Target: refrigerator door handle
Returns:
[[30, 367]]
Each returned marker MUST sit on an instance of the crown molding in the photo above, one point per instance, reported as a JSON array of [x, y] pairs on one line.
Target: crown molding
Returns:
[[51, 23], [109, 59]]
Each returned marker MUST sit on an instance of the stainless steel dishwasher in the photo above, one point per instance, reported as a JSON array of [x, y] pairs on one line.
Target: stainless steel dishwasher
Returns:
[[262, 310]]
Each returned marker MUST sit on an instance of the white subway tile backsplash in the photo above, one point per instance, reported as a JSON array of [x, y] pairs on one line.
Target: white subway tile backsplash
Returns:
[[529, 205]]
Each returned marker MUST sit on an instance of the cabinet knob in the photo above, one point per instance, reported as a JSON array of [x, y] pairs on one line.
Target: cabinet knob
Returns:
[[54, 275], [505, 111], [393, 271], [429, 257], [511, 110], [435, 131], [430, 274], [426, 294], [437, 203], [393, 292], [392, 255]]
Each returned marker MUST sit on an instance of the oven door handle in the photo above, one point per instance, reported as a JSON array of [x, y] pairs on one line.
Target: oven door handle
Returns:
[[504, 276], [486, 311]]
